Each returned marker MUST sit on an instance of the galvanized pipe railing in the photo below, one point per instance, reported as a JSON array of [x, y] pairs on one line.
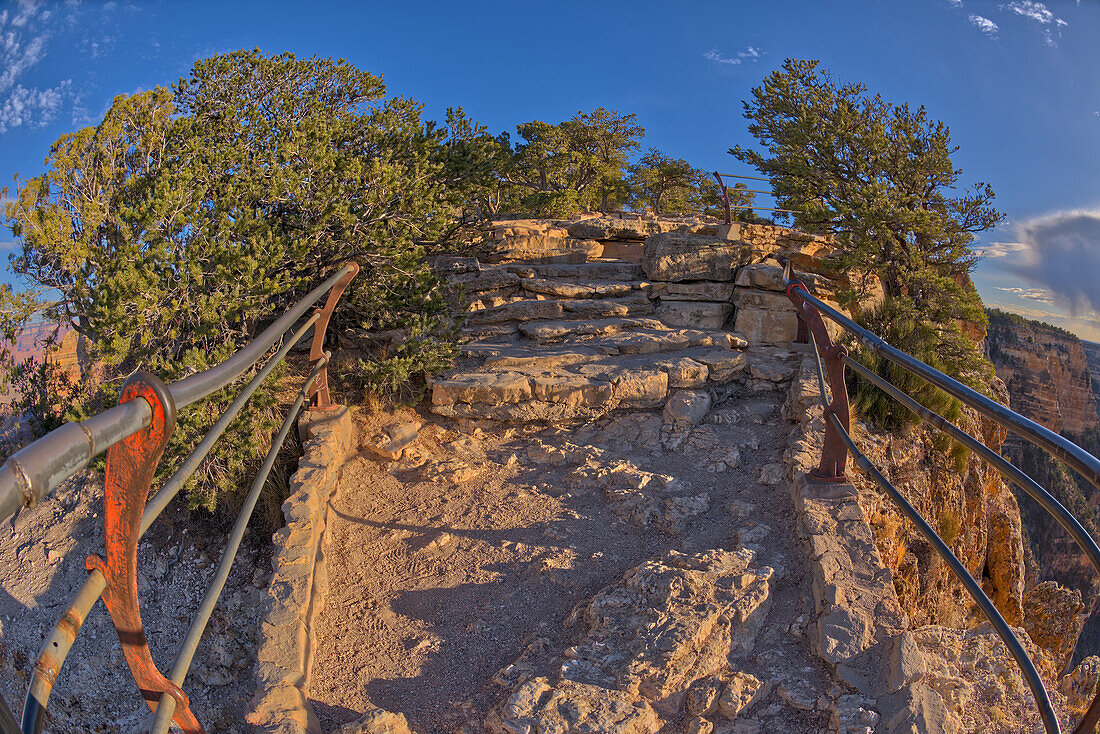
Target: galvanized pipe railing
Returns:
[[130, 474], [719, 177], [34, 471], [810, 310]]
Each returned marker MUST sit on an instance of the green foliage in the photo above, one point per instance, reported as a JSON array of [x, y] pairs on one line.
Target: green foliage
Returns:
[[879, 177], [673, 186], [950, 524], [176, 228], [942, 346], [578, 164]]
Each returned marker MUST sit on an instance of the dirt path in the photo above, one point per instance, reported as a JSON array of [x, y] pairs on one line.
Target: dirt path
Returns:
[[446, 566]]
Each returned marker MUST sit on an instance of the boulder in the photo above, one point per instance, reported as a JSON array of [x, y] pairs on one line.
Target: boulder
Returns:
[[392, 441], [679, 256], [377, 721], [1053, 617], [685, 372], [687, 406]]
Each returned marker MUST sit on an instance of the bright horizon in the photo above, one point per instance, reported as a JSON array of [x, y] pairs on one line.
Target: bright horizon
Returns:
[[1017, 82]]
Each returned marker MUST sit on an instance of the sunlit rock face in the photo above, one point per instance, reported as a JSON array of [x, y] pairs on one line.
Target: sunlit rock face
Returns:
[[1047, 373]]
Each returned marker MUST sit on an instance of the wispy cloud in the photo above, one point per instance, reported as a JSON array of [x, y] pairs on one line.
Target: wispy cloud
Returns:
[[1042, 295], [22, 46], [749, 54], [1039, 13], [985, 25], [999, 249]]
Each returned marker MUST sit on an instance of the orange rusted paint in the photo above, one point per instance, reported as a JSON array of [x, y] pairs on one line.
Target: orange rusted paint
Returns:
[[319, 395], [130, 467], [834, 452]]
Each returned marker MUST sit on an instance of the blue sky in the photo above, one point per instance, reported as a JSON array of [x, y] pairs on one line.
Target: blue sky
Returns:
[[1018, 82]]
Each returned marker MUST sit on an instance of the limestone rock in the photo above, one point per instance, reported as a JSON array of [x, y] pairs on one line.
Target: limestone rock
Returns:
[[701, 291], [694, 314], [1079, 686], [772, 473], [678, 256], [685, 372], [392, 441], [377, 721], [723, 366], [739, 695], [576, 289], [571, 707], [544, 248], [687, 406], [1053, 617], [765, 317]]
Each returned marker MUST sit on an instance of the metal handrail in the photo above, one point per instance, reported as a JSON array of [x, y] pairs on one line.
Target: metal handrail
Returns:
[[34, 471], [730, 207], [159, 411], [1054, 444], [182, 665]]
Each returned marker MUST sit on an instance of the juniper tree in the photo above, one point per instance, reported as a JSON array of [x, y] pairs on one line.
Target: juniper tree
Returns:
[[673, 186], [879, 177], [173, 230], [579, 163]]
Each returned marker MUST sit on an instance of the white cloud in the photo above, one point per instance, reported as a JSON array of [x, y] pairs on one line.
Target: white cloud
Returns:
[[956, 3], [999, 249], [1035, 10], [1061, 256], [985, 25], [22, 47], [749, 54], [1042, 295], [1041, 14]]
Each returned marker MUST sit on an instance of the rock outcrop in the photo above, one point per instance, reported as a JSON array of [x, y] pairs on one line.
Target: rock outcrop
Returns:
[[1046, 370], [1092, 356], [656, 646]]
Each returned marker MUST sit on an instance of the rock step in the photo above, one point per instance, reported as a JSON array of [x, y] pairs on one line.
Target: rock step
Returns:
[[554, 310], [649, 339], [488, 277], [547, 331], [518, 384]]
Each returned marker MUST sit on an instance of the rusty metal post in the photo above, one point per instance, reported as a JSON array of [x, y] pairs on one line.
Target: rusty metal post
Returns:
[[725, 197], [834, 452], [131, 464], [319, 394]]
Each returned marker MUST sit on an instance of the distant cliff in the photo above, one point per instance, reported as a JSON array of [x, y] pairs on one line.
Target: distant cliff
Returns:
[[1047, 373], [1092, 353], [1046, 370]]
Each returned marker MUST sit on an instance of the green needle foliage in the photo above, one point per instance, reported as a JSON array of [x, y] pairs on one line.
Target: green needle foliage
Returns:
[[667, 185], [172, 232], [581, 163], [879, 177]]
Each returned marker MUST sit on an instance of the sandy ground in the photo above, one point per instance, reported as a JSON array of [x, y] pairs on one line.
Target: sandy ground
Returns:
[[42, 553], [436, 584]]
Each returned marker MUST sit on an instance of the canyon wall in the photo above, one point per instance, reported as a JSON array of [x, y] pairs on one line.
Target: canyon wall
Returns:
[[1046, 370], [1092, 354], [1049, 380]]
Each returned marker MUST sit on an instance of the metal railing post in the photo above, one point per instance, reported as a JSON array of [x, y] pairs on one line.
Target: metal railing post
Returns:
[[319, 393], [834, 451], [131, 464], [725, 197]]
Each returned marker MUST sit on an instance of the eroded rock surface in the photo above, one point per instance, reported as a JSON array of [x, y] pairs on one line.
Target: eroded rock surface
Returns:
[[668, 624]]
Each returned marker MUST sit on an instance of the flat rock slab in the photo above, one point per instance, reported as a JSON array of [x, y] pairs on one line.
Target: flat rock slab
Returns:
[[694, 314], [679, 256]]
